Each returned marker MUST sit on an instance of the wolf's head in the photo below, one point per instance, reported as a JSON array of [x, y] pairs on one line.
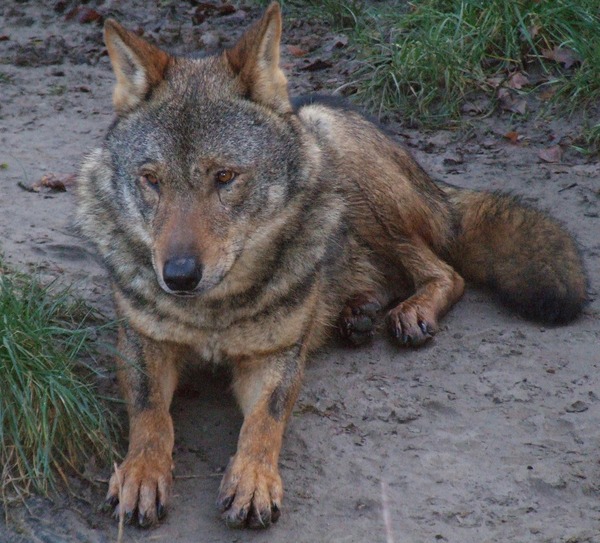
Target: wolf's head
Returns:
[[205, 154]]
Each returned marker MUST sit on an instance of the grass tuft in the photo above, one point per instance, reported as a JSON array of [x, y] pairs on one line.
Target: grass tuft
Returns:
[[51, 417], [428, 61], [423, 60]]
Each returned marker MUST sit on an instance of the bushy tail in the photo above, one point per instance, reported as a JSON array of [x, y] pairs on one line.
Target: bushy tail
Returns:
[[522, 254]]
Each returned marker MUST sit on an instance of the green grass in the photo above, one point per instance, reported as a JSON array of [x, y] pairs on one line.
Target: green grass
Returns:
[[51, 416], [590, 140], [422, 60], [427, 62]]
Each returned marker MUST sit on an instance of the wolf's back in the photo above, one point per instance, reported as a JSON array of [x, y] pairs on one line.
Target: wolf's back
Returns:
[[522, 254]]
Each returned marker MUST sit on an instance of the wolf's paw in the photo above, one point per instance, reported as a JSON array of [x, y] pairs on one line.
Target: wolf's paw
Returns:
[[357, 319], [141, 488], [250, 494], [410, 326]]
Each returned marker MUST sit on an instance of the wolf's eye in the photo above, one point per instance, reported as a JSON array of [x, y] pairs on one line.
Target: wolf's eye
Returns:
[[149, 180], [225, 176]]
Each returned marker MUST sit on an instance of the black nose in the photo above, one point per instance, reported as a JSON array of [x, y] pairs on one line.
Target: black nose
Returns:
[[182, 273]]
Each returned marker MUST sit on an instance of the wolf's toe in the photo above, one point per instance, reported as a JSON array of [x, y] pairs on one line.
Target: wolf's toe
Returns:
[[409, 328], [140, 489]]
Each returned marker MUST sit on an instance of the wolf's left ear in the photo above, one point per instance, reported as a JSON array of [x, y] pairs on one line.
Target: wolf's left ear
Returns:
[[255, 60], [138, 66]]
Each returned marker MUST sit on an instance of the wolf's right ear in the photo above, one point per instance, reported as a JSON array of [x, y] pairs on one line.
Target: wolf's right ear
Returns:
[[138, 66]]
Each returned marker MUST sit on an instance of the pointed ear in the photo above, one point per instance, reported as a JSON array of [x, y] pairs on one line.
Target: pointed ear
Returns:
[[138, 66], [255, 60]]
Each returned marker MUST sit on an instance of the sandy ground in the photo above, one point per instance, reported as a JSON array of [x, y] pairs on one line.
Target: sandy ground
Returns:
[[489, 434]]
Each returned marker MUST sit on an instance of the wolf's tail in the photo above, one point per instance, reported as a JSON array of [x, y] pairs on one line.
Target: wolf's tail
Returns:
[[522, 254]]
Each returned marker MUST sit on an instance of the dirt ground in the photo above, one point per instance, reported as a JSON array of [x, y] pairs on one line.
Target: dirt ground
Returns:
[[489, 434]]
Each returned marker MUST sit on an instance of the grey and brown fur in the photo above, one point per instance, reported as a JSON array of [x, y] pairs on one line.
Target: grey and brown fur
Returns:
[[246, 231]]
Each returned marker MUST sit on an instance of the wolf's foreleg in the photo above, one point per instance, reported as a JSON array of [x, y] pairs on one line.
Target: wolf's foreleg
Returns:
[[147, 372], [266, 389]]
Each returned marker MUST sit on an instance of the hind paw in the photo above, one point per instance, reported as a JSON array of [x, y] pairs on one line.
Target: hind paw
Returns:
[[410, 326], [357, 319]]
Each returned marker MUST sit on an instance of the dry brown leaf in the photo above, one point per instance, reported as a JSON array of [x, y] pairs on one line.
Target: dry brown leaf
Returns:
[[206, 9], [84, 15], [52, 182], [508, 102], [477, 106], [226, 9], [512, 136], [552, 154], [495, 81], [547, 94], [317, 64], [339, 41], [534, 31], [59, 184], [519, 106], [563, 55], [517, 80], [296, 51]]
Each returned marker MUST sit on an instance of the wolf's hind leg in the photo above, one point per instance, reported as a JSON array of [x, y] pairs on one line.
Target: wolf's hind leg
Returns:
[[437, 288], [357, 320]]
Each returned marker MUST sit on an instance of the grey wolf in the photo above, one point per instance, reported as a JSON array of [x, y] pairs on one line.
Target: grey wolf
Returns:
[[247, 228]]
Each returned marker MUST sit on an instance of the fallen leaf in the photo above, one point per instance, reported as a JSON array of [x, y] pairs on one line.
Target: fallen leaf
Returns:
[[226, 9], [519, 106], [534, 31], [495, 81], [296, 51], [547, 94], [508, 102], [84, 15], [552, 154], [316, 65], [517, 81], [202, 12], [512, 136], [52, 182], [475, 107], [4, 37], [205, 9], [563, 55], [339, 41]]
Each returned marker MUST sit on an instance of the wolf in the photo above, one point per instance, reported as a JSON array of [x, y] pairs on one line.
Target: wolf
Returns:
[[242, 227]]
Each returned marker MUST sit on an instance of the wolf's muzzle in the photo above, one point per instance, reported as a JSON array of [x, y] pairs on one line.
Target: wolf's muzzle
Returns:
[[182, 273]]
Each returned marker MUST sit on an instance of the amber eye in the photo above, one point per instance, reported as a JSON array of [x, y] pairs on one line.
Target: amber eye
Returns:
[[225, 176], [150, 180]]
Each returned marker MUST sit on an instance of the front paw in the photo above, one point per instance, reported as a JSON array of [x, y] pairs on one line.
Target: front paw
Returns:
[[141, 487], [250, 493]]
